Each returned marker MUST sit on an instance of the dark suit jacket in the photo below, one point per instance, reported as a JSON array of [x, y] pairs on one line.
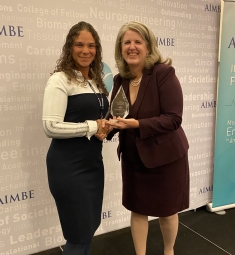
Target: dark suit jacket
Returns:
[[160, 138]]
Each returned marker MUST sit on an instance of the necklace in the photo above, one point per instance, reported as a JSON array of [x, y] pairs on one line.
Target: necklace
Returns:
[[136, 83], [85, 84], [81, 79]]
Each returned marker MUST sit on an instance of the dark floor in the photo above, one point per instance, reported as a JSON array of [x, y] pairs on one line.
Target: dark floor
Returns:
[[200, 233]]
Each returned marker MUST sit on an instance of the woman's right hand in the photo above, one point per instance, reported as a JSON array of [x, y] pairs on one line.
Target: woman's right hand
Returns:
[[103, 129]]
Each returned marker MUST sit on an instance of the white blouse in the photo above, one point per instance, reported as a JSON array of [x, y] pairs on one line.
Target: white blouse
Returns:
[[55, 103]]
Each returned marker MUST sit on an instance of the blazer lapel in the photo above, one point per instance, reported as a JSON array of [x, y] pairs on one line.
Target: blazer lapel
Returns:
[[142, 90]]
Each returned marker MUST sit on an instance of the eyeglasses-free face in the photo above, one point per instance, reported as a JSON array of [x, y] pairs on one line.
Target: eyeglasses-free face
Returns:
[[134, 49], [84, 50]]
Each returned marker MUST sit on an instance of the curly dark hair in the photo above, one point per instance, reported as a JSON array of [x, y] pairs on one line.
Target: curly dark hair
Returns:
[[66, 62]]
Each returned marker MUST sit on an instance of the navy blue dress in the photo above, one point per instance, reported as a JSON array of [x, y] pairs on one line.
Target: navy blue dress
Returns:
[[76, 172]]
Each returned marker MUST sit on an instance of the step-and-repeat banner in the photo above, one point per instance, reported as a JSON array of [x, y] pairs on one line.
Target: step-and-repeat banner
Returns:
[[224, 160], [32, 34]]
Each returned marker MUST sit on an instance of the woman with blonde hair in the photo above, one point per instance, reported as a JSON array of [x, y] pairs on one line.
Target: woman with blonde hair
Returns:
[[152, 144]]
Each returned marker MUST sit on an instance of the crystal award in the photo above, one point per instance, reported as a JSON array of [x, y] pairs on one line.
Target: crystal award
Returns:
[[120, 106]]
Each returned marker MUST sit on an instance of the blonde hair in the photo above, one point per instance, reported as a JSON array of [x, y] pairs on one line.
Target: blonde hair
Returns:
[[148, 36]]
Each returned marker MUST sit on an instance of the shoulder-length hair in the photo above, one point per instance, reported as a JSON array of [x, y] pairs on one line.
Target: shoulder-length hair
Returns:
[[147, 35], [67, 64]]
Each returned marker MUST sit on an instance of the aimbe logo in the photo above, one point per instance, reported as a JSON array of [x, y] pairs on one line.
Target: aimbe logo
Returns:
[[108, 77], [213, 8], [24, 195], [165, 41], [206, 189], [11, 31]]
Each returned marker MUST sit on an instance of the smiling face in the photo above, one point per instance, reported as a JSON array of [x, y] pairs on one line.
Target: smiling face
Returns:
[[134, 49], [83, 50]]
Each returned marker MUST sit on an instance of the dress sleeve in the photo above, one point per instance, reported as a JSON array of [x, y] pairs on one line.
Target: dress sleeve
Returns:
[[54, 109]]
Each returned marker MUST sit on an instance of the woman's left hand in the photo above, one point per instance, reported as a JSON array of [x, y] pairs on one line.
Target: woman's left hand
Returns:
[[121, 123]]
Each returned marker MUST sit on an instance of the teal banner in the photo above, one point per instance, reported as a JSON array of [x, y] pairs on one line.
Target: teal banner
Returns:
[[224, 158]]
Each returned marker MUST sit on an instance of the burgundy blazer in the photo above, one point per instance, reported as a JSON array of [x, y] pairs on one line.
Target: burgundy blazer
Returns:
[[160, 138]]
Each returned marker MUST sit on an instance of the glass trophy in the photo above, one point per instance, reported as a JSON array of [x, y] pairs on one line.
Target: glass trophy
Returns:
[[119, 105]]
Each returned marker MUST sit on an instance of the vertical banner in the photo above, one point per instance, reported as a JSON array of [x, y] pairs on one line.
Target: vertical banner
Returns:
[[224, 160]]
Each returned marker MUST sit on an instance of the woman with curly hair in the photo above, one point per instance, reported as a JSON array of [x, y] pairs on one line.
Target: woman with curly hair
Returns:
[[75, 101]]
